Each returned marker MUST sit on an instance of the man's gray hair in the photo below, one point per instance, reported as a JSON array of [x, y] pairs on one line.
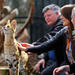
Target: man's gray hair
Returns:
[[52, 7]]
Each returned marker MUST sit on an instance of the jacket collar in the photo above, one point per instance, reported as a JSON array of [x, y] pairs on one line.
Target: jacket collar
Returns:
[[57, 23]]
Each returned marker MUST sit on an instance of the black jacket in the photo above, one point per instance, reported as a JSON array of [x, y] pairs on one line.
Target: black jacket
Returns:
[[72, 68], [44, 44]]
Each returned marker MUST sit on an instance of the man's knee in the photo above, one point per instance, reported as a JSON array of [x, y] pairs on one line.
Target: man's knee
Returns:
[[46, 71]]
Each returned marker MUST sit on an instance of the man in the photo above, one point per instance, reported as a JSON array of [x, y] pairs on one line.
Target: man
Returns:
[[54, 51]]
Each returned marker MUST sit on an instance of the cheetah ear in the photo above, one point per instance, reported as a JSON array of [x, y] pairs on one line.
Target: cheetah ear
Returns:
[[8, 22], [14, 23]]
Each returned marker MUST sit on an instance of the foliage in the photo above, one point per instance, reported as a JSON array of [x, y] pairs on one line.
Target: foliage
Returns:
[[22, 5]]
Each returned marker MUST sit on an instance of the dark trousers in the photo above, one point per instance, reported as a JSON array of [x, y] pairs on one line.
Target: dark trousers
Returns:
[[49, 67]]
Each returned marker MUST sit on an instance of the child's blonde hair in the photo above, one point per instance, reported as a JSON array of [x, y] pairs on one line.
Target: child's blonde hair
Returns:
[[73, 10]]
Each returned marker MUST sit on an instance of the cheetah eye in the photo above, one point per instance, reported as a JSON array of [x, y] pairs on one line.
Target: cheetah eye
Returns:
[[7, 26]]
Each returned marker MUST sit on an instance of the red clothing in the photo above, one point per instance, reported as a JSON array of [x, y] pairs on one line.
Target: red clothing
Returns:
[[24, 44]]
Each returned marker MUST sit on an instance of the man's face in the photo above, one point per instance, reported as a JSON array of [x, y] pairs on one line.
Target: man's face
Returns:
[[50, 17]]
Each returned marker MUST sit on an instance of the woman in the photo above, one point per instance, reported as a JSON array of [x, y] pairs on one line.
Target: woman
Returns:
[[68, 68], [66, 11]]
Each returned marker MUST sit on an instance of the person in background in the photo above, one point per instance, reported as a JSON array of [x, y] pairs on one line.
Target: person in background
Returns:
[[55, 50], [71, 67]]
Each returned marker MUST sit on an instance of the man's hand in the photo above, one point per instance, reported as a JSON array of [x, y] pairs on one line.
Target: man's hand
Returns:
[[37, 66], [22, 48]]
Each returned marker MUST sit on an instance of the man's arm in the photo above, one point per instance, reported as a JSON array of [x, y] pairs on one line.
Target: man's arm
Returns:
[[48, 45]]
